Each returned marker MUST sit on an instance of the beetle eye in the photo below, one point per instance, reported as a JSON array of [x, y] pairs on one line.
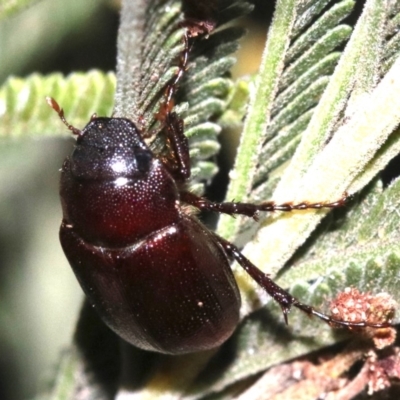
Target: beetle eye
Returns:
[[143, 160]]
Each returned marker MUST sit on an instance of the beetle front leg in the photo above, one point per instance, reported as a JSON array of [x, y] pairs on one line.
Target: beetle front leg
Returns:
[[179, 146]]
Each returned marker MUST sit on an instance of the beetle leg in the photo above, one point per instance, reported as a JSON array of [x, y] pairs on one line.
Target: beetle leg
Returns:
[[252, 210], [172, 86], [192, 28], [179, 164], [174, 124], [284, 298], [179, 146]]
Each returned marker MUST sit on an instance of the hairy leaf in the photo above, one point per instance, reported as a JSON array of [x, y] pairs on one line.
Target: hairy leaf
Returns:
[[308, 106], [301, 101], [294, 119]]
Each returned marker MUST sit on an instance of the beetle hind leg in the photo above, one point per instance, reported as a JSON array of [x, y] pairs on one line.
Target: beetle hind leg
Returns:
[[283, 297]]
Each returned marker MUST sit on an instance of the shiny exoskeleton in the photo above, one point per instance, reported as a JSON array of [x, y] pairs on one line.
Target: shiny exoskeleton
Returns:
[[155, 274]]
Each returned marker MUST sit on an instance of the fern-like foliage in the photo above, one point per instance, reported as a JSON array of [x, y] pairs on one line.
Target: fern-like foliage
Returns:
[[23, 112], [148, 55], [309, 105], [150, 42], [348, 250], [310, 61], [321, 88]]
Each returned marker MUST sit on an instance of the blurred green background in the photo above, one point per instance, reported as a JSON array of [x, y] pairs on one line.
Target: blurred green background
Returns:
[[39, 296]]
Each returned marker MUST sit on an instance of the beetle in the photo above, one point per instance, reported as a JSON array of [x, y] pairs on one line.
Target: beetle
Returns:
[[155, 274]]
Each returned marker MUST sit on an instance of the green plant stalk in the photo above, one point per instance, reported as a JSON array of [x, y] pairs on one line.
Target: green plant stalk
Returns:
[[368, 76], [386, 153], [64, 386], [129, 50], [259, 109]]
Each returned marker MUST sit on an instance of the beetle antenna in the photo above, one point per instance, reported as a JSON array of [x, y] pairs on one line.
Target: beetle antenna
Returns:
[[55, 106]]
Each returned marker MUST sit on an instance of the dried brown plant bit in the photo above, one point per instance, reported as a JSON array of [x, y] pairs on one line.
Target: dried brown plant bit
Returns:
[[382, 371], [377, 377], [354, 306], [391, 363]]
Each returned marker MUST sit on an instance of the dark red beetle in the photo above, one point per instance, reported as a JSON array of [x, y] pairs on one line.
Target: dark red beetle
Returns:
[[156, 275]]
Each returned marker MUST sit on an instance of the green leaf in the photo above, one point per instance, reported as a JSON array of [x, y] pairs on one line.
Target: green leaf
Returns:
[[347, 158], [24, 112], [260, 102], [305, 101], [367, 231], [330, 168], [391, 50], [236, 104]]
